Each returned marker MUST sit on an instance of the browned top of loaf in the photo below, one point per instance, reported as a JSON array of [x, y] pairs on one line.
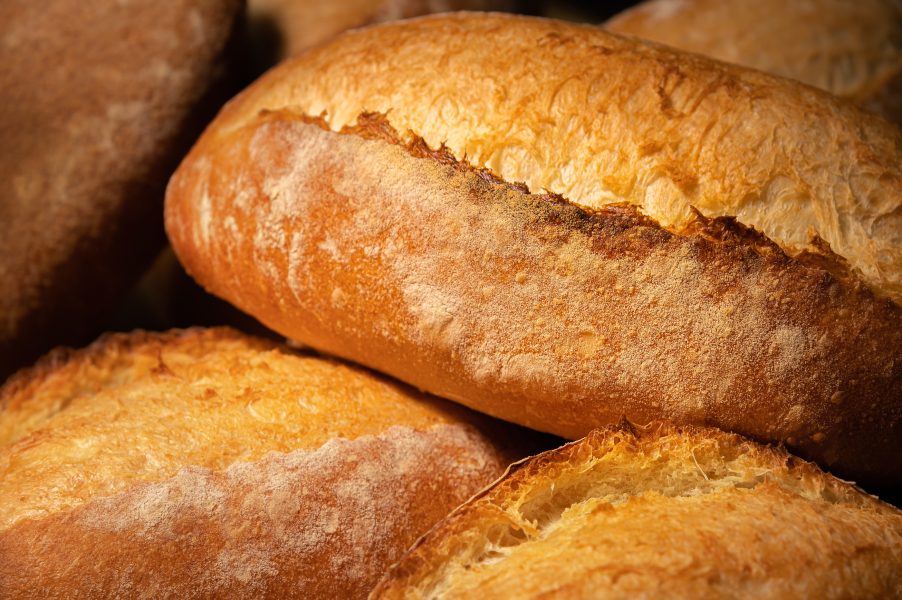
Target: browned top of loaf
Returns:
[[533, 309], [97, 101], [207, 463], [661, 512], [852, 49], [600, 119]]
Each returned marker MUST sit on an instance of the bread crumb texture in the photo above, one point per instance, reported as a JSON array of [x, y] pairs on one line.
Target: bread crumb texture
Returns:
[[600, 119], [205, 462], [659, 512]]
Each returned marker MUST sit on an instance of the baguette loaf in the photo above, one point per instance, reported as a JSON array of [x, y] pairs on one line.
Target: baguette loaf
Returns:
[[401, 240], [663, 512], [99, 101], [852, 49], [205, 463]]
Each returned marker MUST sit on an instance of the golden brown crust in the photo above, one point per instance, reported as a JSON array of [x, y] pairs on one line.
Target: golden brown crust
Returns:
[[852, 49], [98, 102], [600, 119], [532, 309], [206, 463], [662, 511], [322, 523]]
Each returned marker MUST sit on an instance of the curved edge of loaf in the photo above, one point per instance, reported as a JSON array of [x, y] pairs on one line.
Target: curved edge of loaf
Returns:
[[377, 252], [311, 523], [541, 495]]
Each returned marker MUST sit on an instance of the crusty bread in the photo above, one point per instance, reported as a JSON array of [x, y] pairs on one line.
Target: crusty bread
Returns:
[[852, 49], [396, 253], [292, 26], [601, 120], [205, 463], [99, 101], [660, 512]]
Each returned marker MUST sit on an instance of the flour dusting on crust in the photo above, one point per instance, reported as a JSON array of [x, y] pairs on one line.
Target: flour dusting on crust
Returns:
[[308, 523]]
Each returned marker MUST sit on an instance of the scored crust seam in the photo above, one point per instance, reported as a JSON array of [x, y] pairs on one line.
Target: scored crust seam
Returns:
[[724, 230]]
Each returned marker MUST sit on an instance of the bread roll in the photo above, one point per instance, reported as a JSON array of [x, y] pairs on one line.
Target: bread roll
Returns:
[[663, 512], [205, 463], [623, 278], [99, 101], [853, 49]]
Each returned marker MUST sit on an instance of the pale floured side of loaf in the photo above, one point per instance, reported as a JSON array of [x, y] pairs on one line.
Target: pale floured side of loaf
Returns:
[[661, 513], [600, 119], [530, 308], [852, 49], [207, 463]]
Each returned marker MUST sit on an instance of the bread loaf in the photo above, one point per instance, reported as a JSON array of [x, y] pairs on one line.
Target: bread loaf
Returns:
[[852, 49], [367, 199], [99, 101], [205, 463], [661, 512]]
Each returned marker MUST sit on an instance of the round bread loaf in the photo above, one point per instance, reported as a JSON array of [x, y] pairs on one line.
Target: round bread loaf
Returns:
[[660, 512], [365, 199], [99, 101], [852, 49], [206, 463]]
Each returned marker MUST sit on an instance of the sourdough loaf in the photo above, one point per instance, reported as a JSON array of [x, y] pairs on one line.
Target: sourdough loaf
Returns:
[[693, 240], [659, 512], [206, 463]]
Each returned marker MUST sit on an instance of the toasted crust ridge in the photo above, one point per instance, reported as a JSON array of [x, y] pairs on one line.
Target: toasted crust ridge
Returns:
[[597, 510]]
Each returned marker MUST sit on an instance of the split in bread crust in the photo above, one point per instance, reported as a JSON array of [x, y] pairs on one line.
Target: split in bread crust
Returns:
[[601, 119], [532, 309], [206, 463], [661, 511]]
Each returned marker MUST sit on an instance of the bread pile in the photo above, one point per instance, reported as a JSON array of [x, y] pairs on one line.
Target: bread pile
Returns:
[[474, 230]]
